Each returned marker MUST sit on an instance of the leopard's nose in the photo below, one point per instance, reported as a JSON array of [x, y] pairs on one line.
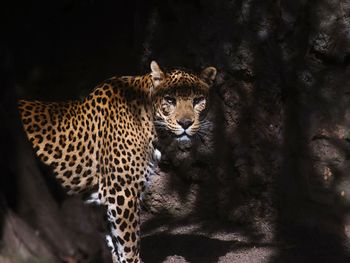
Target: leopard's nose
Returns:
[[185, 123]]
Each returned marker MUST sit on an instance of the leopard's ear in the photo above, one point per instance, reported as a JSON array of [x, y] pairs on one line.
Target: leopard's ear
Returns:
[[208, 75], [157, 74]]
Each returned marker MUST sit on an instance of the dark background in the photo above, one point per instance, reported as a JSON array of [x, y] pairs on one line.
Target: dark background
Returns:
[[273, 169]]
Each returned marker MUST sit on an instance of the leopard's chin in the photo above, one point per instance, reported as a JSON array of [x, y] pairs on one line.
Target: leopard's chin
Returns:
[[183, 138]]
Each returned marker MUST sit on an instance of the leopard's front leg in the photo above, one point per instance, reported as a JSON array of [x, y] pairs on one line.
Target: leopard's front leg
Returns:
[[123, 216]]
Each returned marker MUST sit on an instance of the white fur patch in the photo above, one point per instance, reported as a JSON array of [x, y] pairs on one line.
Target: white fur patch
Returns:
[[110, 243], [183, 138], [93, 199], [115, 254], [157, 155]]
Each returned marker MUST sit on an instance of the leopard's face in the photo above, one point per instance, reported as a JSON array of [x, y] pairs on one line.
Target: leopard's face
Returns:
[[181, 115], [180, 102]]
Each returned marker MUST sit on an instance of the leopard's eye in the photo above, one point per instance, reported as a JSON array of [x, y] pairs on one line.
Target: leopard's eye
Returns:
[[170, 100], [198, 100]]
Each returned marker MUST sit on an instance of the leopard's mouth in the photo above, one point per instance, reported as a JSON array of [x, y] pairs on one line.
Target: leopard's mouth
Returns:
[[183, 136], [177, 135]]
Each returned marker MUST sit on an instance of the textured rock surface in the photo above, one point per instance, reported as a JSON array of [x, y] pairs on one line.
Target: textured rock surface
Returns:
[[274, 164]]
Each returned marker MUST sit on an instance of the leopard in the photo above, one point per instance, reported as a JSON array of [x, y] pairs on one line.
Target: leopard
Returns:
[[104, 144]]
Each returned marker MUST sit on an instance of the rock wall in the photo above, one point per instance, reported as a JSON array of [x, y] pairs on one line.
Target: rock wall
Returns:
[[276, 154], [279, 109]]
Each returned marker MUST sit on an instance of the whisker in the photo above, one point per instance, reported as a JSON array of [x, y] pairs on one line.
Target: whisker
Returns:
[[200, 137], [203, 133], [205, 123], [206, 126], [160, 124]]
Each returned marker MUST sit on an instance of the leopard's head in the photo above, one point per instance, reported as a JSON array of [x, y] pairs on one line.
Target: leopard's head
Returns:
[[180, 100]]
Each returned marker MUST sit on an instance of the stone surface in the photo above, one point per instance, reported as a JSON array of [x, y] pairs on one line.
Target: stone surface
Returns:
[[274, 163]]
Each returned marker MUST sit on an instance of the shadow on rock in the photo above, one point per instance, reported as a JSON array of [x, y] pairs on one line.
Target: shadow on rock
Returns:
[[193, 248], [311, 245]]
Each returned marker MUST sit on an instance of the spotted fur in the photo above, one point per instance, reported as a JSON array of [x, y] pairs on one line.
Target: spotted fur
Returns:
[[104, 143]]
